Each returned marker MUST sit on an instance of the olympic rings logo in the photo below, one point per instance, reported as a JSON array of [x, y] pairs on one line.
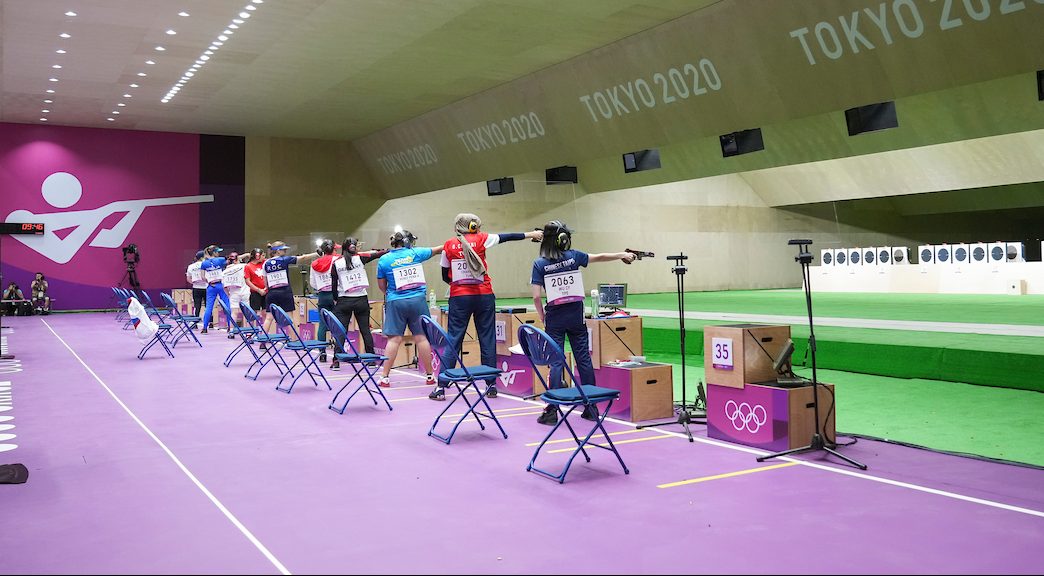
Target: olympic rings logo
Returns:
[[744, 416]]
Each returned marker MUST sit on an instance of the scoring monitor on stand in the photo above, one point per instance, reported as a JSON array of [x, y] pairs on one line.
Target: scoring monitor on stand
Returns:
[[612, 296]]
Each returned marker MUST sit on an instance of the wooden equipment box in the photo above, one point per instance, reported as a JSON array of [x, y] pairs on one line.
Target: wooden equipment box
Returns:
[[613, 339], [768, 417], [738, 354], [507, 324], [646, 391]]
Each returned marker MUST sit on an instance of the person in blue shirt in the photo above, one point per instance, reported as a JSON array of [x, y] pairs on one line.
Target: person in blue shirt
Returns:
[[556, 275], [213, 267], [277, 279], [400, 276]]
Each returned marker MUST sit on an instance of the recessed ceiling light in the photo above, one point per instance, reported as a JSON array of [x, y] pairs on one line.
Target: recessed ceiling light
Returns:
[[249, 7], [204, 58], [227, 31], [115, 111], [218, 44], [43, 119], [53, 79], [190, 74], [222, 37], [233, 27], [183, 14], [45, 111], [142, 74], [57, 66], [160, 48], [127, 96], [208, 52], [49, 91], [244, 15], [121, 104], [59, 51], [237, 21], [165, 100], [133, 85], [171, 32], [197, 66], [259, 1], [149, 62], [70, 13], [48, 101], [111, 119], [64, 35]]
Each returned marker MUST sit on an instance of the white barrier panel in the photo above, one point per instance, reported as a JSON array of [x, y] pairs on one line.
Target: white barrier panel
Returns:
[[1016, 252], [1010, 278], [961, 255], [926, 254], [900, 255], [978, 253]]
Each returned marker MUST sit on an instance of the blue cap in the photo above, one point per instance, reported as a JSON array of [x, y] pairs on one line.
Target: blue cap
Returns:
[[199, 255]]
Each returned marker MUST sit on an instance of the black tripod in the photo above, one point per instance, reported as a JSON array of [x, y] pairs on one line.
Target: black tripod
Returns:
[[697, 415], [804, 258]]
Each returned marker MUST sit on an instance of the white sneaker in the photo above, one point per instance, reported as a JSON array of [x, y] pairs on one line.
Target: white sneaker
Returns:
[[384, 382]]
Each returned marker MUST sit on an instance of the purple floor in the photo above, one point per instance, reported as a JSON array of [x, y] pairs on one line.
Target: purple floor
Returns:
[[369, 492]]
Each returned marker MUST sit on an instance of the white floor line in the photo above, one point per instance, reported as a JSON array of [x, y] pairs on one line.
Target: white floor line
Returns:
[[908, 325], [228, 514], [817, 466]]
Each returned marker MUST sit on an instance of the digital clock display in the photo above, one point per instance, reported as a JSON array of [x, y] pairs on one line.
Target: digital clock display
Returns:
[[21, 228]]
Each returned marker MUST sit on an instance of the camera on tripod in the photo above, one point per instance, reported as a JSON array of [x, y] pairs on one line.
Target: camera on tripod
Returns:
[[131, 255]]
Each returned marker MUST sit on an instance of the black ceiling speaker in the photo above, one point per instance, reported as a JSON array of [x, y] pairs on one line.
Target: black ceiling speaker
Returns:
[[641, 160], [500, 186], [871, 117], [560, 175], [742, 142]]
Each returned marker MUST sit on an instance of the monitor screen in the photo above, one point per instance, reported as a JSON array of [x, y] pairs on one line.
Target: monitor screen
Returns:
[[614, 295]]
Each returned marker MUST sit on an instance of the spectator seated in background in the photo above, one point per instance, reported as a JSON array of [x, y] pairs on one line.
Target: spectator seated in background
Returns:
[[14, 301], [41, 301]]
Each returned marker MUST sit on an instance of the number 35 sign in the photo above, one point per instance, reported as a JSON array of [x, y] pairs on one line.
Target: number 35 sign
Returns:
[[721, 353]]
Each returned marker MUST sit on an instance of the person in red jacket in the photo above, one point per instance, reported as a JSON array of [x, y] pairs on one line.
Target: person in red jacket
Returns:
[[254, 273], [320, 277], [471, 291]]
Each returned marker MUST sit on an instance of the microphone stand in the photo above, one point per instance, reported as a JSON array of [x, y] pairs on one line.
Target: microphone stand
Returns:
[[804, 258], [687, 413]]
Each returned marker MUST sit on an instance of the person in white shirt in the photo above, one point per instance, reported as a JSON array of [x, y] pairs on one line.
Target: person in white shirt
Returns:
[[194, 275], [234, 280]]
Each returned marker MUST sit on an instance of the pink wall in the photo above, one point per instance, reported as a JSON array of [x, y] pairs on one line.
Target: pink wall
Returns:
[[114, 170]]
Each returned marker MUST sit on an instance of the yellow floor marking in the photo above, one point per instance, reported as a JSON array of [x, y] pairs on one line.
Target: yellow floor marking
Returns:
[[660, 437], [728, 475], [408, 399], [614, 435]]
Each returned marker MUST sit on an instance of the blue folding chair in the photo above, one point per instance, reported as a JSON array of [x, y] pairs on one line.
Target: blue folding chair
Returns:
[[270, 345], [160, 337], [364, 365], [128, 322], [448, 357], [150, 307], [245, 333], [302, 348], [121, 305], [184, 325], [543, 351]]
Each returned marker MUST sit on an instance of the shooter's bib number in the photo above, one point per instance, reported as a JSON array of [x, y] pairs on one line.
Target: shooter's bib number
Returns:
[[564, 287], [461, 274], [408, 277]]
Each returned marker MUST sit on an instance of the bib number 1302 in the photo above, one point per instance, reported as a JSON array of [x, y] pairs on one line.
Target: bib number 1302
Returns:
[[721, 353]]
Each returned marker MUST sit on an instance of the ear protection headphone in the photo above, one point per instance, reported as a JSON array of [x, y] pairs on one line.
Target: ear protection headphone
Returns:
[[406, 238], [473, 226], [351, 245], [562, 235]]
